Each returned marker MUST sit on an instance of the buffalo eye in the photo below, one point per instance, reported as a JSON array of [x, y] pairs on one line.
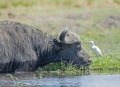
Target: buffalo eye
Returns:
[[78, 46]]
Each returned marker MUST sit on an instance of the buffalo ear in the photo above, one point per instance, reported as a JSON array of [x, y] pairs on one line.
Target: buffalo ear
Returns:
[[57, 46], [63, 34]]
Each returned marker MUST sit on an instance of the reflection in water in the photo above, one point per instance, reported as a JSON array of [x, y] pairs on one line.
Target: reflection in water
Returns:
[[83, 81], [92, 80]]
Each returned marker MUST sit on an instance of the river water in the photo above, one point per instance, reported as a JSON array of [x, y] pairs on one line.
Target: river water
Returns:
[[92, 80]]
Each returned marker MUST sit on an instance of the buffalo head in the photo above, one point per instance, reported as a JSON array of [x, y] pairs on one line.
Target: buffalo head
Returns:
[[70, 48]]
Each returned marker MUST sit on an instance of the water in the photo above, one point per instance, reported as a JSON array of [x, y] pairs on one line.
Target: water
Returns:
[[112, 80]]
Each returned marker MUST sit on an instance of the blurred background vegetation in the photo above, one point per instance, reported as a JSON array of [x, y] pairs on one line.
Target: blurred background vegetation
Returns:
[[57, 3]]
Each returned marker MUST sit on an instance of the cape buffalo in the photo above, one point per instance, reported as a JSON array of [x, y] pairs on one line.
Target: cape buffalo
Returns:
[[23, 48]]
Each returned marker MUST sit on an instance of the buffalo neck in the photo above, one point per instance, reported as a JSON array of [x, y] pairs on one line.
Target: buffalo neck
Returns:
[[44, 48]]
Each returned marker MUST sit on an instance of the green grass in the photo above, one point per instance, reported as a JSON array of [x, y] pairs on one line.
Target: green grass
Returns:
[[107, 62], [61, 69]]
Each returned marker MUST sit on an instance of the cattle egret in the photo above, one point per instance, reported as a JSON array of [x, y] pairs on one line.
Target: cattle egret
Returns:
[[95, 49]]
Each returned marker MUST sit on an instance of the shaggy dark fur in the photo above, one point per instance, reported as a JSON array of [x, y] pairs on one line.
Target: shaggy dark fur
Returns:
[[23, 48]]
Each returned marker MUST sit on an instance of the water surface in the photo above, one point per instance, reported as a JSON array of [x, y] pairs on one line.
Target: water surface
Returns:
[[93, 80]]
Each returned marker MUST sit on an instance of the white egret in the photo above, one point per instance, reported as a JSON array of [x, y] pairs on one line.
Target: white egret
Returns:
[[95, 49]]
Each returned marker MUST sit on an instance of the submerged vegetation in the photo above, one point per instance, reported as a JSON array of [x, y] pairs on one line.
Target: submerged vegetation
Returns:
[[100, 23]]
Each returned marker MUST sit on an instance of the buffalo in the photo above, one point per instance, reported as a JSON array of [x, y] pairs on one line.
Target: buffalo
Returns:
[[24, 48]]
